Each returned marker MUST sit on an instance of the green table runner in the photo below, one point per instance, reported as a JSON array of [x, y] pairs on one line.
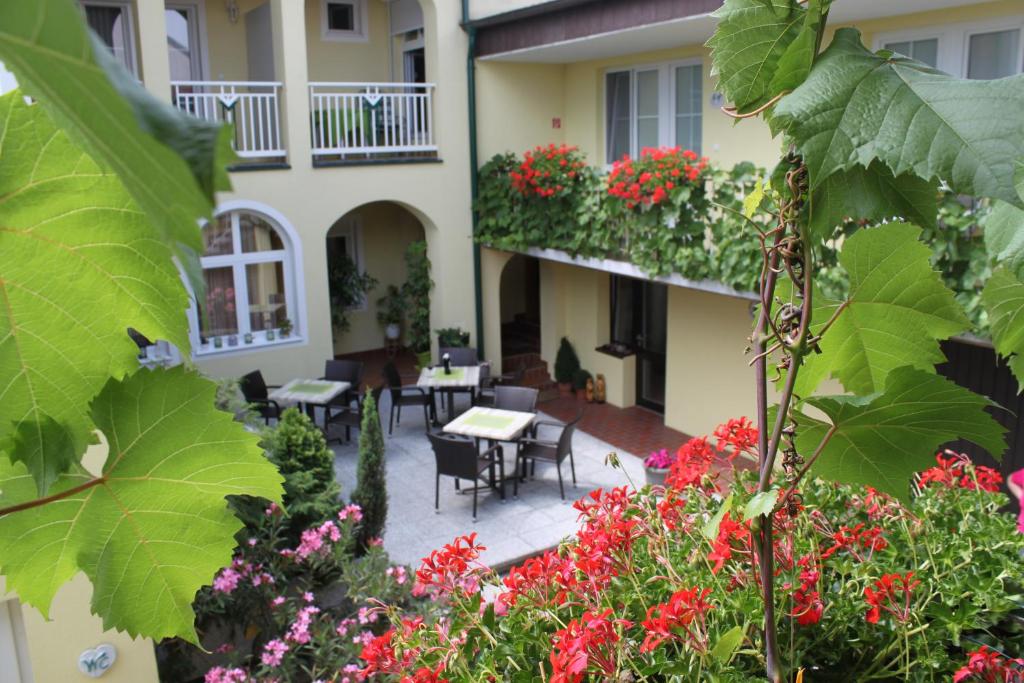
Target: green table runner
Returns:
[[457, 374], [309, 388], [489, 421]]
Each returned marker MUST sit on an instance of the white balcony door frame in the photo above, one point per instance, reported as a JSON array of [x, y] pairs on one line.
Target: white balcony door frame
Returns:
[[196, 17], [955, 39], [128, 21]]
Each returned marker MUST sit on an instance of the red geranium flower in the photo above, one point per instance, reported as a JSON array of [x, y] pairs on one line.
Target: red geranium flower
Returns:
[[585, 645], [892, 594], [682, 618], [990, 667]]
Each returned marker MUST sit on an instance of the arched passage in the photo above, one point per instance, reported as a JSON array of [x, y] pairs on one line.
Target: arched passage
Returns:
[[520, 307], [366, 250]]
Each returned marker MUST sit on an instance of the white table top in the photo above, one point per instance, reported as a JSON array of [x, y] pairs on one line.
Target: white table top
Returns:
[[467, 376], [318, 391], [490, 423]]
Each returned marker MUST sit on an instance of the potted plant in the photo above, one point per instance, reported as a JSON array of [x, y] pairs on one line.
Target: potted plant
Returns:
[[580, 378], [391, 312], [347, 287], [416, 291], [567, 363], [452, 337], [656, 467], [285, 328]]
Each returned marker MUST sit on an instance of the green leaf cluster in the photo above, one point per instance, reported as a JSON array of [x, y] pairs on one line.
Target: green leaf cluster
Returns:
[[371, 492]]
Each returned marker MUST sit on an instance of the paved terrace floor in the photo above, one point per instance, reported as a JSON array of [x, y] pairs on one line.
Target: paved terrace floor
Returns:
[[521, 527]]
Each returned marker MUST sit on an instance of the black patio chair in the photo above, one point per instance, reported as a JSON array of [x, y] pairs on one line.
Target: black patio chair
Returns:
[[520, 399], [254, 391], [350, 371], [405, 396], [488, 383], [531, 449], [350, 416], [460, 458]]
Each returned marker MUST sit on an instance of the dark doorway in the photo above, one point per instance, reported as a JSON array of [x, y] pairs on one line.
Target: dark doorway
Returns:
[[415, 66], [639, 320], [520, 307]]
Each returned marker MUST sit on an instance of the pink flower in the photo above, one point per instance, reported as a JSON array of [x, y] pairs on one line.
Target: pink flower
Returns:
[[278, 601], [298, 632], [308, 597], [344, 626], [219, 674], [398, 574], [351, 511], [273, 652], [226, 581]]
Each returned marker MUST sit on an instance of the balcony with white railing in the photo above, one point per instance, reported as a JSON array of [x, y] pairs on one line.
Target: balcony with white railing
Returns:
[[366, 122], [252, 107]]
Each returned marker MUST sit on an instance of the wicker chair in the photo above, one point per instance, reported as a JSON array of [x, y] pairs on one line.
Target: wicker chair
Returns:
[[350, 371], [488, 383], [459, 458], [254, 391], [532, 449], [520, 399], [405, 396], [350, 416]]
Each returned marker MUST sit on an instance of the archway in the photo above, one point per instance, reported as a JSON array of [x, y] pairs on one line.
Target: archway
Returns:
[[520, 307], [366, 260]]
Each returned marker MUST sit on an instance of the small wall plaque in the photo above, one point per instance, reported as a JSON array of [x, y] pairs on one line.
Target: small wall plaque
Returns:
[[97, 661], [717, 100]]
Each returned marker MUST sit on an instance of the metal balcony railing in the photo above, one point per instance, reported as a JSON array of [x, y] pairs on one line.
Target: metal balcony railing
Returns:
[[252, 106]]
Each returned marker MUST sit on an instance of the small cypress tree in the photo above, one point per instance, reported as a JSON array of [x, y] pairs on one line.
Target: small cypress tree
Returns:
[[567, 363], [371, 493]]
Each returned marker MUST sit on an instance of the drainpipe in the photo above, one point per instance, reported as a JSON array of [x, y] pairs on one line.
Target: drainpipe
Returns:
[[474, 164]]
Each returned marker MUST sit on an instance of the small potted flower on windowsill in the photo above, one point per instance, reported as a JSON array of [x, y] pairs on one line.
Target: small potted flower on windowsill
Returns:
[[656, 467], [285, 328]]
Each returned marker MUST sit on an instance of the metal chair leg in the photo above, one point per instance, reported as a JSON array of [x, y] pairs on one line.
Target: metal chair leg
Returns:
[[437, 493], [572, 466], [561, 487], [391, 420], [475, 488]]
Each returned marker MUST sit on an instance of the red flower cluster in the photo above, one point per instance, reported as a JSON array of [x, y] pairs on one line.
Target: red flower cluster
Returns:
[[892, 594], [547, 171], [380, 657], [990, 667], [855, 539], [453, 568], [685, 611], [656, 177], [957, 471], [693, 460], [585, 644], [807, 605], [605, 539], [730, 531], [738, 435], [546, 580]]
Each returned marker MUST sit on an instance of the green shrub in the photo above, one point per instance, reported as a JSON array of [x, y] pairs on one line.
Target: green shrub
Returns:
[[452, 337], [371, 493], [298, 448], [567, 363]]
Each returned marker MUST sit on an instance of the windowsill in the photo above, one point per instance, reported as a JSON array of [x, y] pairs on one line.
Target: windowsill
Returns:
[[616, 350], [260, 343]]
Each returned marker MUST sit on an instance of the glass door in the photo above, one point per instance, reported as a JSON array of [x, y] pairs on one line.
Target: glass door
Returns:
[[651, 343]]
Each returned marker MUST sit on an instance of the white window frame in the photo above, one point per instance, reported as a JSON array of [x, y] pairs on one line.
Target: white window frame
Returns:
[[352, 230], [666, 102], [361, 34], [128, 18], [295, 295], [954, 40], [17, 667]]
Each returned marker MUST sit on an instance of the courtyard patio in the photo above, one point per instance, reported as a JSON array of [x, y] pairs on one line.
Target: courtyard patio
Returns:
[[520, 527]]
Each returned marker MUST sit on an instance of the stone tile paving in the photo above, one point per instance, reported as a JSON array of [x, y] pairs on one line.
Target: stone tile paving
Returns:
[[537, 520]]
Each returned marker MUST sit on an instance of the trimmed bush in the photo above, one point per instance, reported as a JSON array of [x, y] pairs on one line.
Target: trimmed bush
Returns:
[[371, 493], [567, 363]]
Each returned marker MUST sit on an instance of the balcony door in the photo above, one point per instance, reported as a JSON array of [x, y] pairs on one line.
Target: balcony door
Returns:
[[112, 22], [185, 41]]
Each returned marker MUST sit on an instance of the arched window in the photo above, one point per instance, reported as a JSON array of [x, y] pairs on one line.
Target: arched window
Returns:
[[248, 268]]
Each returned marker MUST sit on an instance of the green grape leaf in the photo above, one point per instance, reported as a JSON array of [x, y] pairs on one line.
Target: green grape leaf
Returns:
[[796, 62], [1003, 298], [857, 106], [81, 264], [751, 38], [897, 311], [710, 530], [872, 194], [883, 439], [761, 504], [156, 526], [1004, 236], [170, 162]]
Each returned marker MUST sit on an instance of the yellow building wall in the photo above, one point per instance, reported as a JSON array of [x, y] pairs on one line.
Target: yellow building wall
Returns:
[[386, 231], [54, 645], [485, 8], [517, 105]]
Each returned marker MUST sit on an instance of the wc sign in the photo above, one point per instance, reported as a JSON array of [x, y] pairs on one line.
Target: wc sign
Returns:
[[97, 661]]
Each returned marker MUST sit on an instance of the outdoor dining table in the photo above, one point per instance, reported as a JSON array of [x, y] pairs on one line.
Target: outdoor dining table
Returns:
[[436, 379], [493, 425], [309, 393]]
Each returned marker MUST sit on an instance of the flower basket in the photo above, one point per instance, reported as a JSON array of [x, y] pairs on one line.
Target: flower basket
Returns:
[[655, 476]]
